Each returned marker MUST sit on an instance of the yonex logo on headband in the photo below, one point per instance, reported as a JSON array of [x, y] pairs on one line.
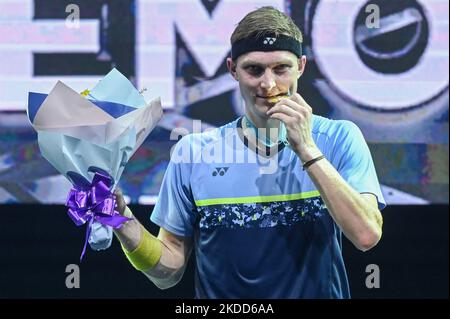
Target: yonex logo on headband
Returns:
[[270, 41]]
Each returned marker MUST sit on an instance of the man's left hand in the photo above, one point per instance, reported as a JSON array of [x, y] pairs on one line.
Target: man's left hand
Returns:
[[296, 114]]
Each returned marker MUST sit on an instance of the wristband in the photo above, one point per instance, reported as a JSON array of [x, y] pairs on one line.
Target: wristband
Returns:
[[309, 163], [147, 253]]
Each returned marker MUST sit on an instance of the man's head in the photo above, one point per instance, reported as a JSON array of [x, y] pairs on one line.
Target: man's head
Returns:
[[263, 21], [266, 58]]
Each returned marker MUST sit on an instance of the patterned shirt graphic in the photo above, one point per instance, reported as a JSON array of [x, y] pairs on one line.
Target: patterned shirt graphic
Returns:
[[283, 213], [259, 234]]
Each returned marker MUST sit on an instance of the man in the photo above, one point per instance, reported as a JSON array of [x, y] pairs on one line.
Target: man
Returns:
[[255, 234]]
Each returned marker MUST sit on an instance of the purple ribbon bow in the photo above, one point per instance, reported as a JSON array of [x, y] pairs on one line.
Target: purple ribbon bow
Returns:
[[95, 203]]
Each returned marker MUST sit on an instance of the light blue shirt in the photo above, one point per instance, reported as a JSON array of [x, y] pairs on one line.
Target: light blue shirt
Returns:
[[259, 234]]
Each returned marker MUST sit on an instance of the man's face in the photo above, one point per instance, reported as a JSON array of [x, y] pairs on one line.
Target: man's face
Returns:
[[263, 75]]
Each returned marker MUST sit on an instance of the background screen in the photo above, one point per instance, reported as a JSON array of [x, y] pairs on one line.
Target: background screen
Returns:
[[391, 79]]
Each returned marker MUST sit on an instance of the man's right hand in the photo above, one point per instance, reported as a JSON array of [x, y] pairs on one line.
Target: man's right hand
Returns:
[[120, 201]]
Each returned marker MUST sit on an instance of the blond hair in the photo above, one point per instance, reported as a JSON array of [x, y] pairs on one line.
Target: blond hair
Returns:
[[264, 21]]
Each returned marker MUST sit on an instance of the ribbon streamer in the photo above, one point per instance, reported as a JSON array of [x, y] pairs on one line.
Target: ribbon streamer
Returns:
[[94, 203]]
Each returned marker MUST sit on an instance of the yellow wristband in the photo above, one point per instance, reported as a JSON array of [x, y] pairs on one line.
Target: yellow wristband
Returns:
[[127, 212], [147, 253]]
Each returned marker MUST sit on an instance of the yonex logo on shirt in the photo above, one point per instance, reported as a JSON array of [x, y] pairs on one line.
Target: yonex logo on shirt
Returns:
[[220, 171]]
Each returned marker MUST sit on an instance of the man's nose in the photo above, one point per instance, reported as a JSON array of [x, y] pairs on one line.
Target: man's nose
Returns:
[[268, 81]]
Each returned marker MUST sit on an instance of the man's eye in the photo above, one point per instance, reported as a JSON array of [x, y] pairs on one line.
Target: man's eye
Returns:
[[254, 70], [282, 68]]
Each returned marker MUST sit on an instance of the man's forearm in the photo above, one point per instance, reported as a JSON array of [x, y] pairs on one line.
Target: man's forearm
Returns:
[[130, 233], [360, 221], [139, 244]]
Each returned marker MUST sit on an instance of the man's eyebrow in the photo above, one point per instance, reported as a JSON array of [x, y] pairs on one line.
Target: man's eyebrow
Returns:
[[252, 63], [262, 65]]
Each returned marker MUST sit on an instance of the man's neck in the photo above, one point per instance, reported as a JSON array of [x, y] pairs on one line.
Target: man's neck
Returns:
[[262, 122], [266, 128]]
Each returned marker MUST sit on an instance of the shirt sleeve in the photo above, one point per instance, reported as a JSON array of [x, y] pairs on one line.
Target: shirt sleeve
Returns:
[[354, 162], [175, 207]]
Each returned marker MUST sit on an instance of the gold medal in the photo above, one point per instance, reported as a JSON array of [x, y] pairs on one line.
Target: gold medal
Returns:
[[276, 99]]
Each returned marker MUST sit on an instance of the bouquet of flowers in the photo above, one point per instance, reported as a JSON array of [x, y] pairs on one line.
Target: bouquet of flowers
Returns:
[[89, 138]]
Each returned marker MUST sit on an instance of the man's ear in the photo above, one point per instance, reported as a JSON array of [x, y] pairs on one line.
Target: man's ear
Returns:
[[301, 65], [232, 68]]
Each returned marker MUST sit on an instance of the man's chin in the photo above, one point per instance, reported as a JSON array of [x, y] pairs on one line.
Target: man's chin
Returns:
[[261, 109]]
